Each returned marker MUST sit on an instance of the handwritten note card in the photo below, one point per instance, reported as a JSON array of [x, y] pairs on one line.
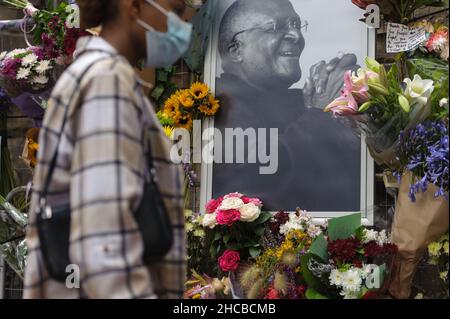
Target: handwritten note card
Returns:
[[402, 38]]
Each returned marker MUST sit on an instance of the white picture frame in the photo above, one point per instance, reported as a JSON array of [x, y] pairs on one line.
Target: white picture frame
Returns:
[[367, 163]]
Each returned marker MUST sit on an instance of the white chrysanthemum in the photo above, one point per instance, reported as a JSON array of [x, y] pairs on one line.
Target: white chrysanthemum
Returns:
[[40, 79], [336, 277], [231, 203], [23, 73], [210, 220], [43, 66], [29, 59], [348, 294], [352, 280], [249, 212]]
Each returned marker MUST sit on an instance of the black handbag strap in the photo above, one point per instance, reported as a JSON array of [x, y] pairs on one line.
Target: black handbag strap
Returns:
[[54, 159]]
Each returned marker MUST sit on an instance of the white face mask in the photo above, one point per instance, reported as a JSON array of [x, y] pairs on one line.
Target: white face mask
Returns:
[[164, 49]]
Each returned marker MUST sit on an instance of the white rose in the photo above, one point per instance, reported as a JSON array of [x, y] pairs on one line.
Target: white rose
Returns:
[[249, 212], [209, 220], [231, 203]]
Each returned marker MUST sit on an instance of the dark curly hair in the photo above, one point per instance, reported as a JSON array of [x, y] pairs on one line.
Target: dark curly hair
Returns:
[[97, 12]]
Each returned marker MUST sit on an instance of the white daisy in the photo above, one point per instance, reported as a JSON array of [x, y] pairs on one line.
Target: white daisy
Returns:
[[43, 66], [352, 280], [23, 73], [336, 277], [29, 59], [40, 79]]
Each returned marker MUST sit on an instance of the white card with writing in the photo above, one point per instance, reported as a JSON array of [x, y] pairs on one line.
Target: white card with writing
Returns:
[[402, 38]]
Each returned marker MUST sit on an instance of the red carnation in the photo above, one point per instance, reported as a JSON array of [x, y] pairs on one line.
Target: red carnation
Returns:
[[344, 250]]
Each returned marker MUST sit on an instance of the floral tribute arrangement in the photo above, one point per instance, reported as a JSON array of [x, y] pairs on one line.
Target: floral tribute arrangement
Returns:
[[424, 151], [184, 106], [277, 273], [378, 106], [234, 225], [439, 256], [26, 70], [55, 33], [347, 262]]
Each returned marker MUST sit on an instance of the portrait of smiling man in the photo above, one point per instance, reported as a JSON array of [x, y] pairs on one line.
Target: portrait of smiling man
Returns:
[[261, 44]]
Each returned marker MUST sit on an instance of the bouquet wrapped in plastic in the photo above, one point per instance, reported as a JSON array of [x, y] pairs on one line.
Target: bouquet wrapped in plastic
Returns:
[[379, 104], [26, 70]]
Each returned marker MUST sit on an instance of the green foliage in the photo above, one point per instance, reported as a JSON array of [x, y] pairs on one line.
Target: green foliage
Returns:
[[164, 87]]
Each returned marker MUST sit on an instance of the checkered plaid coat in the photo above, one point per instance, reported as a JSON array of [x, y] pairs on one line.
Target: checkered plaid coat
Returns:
[[100, 171]]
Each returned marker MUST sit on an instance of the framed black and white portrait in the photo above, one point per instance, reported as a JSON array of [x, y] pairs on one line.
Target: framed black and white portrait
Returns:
[[275, 65]]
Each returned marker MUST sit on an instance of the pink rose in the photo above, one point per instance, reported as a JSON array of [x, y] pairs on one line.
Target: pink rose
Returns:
[[213, 204], [229, 261], [228, 217], [254, 201]]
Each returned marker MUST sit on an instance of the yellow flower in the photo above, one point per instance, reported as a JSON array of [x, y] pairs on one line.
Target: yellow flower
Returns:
[[434, 248], [199, 90], [168, 130], [171, 107], [186, 99], [184, 121], [199, 233], [211, 108], [443, 275], [446, 247]]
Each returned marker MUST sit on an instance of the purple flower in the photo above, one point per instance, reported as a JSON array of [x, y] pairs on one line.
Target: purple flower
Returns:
[[9, 67], [425, 152]]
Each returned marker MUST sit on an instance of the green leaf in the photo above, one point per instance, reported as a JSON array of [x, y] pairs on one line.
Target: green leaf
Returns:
[[310, 279], [254, 251], [311, 293], [263, 217], [217, 236], [319, 247], [157, 92], [226, 238], [162, 75], [344, 227], [260, 231]]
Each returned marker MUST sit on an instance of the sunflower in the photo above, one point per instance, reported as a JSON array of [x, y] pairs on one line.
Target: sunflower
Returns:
[[185, 121], [199, 90], [185, 98], [211, 108], [171, 106]]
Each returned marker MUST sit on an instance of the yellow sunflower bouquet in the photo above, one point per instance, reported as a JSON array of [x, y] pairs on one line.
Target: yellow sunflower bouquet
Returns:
[[184, 106]]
